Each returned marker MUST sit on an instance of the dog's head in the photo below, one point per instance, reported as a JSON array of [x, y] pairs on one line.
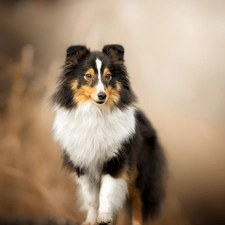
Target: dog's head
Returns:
[[98, 76]]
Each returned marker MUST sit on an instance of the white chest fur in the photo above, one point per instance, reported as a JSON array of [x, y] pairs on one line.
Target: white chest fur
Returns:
[[90, 134]]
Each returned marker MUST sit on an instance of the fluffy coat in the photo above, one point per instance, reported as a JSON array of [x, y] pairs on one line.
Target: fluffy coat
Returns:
[[106, 141]]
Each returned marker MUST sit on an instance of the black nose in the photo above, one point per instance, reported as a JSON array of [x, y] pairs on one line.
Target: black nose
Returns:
[[101, 96]]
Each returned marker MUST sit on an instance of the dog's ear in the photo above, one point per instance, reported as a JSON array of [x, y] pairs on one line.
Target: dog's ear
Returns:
[[115, 52], [76, 53]]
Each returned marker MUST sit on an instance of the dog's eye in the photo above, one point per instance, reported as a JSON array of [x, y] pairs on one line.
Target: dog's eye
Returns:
[[88, 76], [108, 76]]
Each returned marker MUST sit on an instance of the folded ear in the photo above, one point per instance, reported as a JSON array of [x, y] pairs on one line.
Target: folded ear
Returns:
[[115, 52], [76, 53]]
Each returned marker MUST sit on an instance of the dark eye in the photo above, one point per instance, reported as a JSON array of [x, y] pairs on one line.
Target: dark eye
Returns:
[[108, 76], [88, 76]]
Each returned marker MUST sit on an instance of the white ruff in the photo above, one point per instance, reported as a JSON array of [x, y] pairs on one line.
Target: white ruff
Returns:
[[91, 135]]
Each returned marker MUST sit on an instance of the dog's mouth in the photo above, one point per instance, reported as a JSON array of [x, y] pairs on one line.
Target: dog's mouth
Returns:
[[100, 102]]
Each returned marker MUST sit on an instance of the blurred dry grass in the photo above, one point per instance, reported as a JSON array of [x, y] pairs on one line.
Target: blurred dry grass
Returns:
[[175, 54], [32, 181]]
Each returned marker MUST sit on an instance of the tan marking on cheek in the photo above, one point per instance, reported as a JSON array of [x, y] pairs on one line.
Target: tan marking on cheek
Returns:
[[80, 96], [83, 94], [113, 94], [74, 85]]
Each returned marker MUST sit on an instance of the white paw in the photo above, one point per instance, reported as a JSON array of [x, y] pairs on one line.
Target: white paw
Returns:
[[135, 222], [88, 223], [104, 218]]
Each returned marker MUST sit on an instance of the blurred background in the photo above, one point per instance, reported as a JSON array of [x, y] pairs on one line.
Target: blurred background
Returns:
[[175, 54]]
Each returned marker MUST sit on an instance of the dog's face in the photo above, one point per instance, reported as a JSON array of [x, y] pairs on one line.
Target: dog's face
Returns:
[[99, 77]]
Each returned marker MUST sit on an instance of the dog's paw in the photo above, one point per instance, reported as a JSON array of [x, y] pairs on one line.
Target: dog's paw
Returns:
[[104, 218], [88, 223]]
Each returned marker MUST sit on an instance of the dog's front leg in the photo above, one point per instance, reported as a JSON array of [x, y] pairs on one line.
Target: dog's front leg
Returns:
[[89, 191], [113, 192]]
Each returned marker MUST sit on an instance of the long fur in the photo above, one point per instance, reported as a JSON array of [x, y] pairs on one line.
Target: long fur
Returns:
[[107, 141]]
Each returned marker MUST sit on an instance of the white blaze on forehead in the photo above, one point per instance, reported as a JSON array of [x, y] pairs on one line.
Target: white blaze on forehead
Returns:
[[99, 66], [100, 86]]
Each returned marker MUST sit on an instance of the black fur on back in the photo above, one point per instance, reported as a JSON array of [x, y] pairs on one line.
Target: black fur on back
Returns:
[[151, 165]]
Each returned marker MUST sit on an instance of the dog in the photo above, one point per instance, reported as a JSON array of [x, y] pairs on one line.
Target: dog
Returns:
[[106, 140]]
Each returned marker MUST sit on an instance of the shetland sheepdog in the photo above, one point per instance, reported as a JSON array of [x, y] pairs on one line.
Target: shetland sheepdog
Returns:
[[106, 141]]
